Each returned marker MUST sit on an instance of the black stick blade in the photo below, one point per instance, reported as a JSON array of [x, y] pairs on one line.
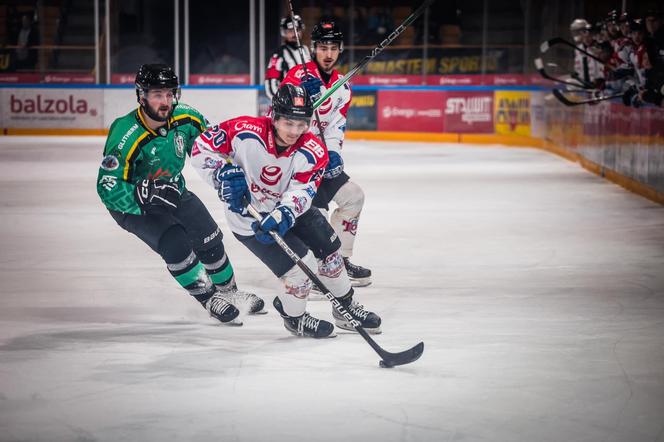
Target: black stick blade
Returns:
[[390, 360]]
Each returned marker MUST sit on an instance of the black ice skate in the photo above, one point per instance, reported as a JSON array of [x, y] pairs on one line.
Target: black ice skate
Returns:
[[254, 304], [368, 320], [219, 306], [358, 275], [305, 325]]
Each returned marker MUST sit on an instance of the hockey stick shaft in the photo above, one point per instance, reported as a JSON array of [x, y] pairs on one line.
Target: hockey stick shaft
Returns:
[[539, 65], [390, 359], [375, 52], [567, 102], [559, 40], [304, 65]]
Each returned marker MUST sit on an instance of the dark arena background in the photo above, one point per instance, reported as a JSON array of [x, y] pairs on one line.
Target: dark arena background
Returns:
[[510, 156]]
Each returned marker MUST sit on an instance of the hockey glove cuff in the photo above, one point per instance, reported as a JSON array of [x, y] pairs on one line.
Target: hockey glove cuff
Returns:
[[312, 85], [157, 193], [279, 220], [233, 187], [335, 166]]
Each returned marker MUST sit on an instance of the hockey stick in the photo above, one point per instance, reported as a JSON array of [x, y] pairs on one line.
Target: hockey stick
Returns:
[[304, 65], [388, 360], [567, 102], [374, 52], [545, 46], [539, 65]]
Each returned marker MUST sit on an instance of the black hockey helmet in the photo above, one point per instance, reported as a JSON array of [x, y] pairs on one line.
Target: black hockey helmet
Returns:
[[156, 76], [287, 23], [292, 102], [637, 25], [327, 31]]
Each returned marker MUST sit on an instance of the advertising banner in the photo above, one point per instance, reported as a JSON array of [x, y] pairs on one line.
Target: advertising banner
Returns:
[[512, 113], [362, 111], [413, 111], [468, 112], [52, 108]]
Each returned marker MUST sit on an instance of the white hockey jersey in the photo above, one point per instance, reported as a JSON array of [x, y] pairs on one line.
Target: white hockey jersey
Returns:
[[332, 111], [290, 178], [587, 69]]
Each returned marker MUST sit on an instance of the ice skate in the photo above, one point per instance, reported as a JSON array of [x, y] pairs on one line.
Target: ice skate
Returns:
[[368, 320], [305, 325], [358, 275], [220, 307]]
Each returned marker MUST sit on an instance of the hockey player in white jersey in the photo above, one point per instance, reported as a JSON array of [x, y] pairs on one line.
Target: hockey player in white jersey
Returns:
[[326, 46], [277, 165], [287, 56], [588, 70]]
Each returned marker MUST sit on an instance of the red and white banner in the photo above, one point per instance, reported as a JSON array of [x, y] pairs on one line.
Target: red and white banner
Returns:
[[447, 80], [468, 112], [219, 79], [413, 111], [35, 78]]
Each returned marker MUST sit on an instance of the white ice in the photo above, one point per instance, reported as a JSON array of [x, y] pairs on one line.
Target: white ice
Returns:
[[537, 288]]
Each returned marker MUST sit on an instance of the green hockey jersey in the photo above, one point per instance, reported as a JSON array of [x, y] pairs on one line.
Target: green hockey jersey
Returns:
[[134, 152]]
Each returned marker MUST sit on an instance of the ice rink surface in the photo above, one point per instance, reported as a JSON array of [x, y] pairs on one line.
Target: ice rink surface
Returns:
[[537, 288]]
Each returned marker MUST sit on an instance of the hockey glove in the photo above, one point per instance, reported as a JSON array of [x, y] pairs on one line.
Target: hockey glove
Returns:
[[631, 97], [233, 187], [157, 193], [280, 220], [334, 167], [312, 85]]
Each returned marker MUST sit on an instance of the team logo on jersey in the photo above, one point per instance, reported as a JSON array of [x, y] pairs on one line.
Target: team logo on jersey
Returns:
[[162, 131], [271, 175], [299, 203], [325, 107], [108, 181], [110, 162], [179, 144]]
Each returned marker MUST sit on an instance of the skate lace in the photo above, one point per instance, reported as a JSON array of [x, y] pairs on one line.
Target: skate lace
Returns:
[[357, 309], [308, 321], [218, 305]]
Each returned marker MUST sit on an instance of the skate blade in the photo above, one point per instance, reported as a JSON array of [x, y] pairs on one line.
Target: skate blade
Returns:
[[360, 282], [259, 312], [346, 326], [233, 322]]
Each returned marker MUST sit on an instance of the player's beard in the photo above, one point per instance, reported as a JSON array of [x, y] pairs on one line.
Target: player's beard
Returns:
[[162, 113]]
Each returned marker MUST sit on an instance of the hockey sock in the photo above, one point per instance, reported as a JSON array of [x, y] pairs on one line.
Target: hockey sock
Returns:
[[191, 275], [217, 265], [331, 272], [350, 200]]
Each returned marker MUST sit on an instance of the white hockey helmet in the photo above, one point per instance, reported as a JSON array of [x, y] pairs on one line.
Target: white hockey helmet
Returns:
[[578, 25]]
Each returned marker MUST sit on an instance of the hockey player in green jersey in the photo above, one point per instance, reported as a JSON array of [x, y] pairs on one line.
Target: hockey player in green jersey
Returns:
[[141, 184]]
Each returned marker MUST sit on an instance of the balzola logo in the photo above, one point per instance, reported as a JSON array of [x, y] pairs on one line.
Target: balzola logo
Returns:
[[271, 175], [43, 105]]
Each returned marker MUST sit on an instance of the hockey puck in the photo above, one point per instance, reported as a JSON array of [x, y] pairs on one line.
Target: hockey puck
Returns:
[[384, 364]]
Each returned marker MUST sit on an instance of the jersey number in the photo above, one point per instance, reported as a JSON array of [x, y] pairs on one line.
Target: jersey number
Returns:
[[314, 147], [216, 135]]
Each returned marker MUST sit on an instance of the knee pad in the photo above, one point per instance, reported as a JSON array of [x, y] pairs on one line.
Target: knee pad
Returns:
[[349, 199], [332, 273], [297, 286]]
